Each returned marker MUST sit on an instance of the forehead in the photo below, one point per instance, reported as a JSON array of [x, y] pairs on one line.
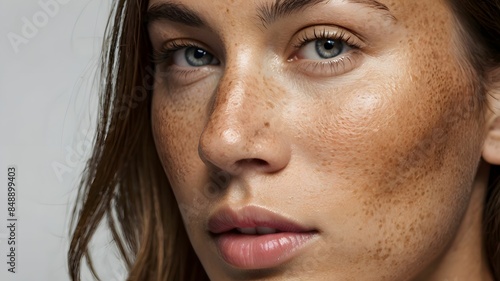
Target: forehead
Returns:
[[269, 10], [373, 18]]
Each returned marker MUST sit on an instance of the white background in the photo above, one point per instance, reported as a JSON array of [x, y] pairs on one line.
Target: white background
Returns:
[[47, 108]]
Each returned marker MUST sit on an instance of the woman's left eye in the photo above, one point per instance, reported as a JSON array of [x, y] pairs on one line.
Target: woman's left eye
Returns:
[[323, 49], [326, 51]]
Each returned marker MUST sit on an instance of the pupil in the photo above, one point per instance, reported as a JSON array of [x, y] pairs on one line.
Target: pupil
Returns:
[[329, 44], [328, 48], [198, 54]]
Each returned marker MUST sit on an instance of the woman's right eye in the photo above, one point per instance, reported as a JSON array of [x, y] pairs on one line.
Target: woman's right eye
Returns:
[[193, 57], [186, 55]]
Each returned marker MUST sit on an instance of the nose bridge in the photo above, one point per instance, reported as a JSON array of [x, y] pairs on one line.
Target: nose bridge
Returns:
[[241, 97], [240, 125], [239, 89]]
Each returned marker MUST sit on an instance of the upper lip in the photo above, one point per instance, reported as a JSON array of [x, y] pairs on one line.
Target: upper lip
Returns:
[[228, 219]]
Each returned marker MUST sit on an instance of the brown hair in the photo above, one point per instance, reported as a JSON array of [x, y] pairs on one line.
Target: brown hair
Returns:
[[124, 183], [480, 22]]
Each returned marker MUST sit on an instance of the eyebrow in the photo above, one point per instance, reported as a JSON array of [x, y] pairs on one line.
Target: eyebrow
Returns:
[[376, 5], [281, 8], [267, 13], [173, 12]]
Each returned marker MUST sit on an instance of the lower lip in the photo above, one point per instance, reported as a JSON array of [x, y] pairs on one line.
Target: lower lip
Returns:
[[260, 251]]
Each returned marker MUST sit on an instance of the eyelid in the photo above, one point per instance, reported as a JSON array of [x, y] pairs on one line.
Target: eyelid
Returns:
[[165, 54], [178, 75], [309, 34], [326, 67]]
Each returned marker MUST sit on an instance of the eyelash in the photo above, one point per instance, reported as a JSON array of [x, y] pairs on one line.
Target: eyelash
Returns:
[[334, 66], [325, 34], [165, 54]]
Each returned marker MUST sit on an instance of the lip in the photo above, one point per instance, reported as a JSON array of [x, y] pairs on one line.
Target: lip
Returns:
[[263, 251]]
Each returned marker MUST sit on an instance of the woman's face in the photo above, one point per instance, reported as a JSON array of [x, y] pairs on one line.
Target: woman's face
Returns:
[[315, 140]]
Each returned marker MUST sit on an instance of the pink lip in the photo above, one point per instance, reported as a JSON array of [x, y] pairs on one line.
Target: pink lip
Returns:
[[247, 251]]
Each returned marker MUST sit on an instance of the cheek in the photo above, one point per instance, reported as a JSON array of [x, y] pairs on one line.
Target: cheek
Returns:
[[176, 123], [399, 173], [398, 155], [168, 129], [404, 123]]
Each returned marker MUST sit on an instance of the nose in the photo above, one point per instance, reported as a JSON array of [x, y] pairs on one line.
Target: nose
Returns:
[[244, 131]]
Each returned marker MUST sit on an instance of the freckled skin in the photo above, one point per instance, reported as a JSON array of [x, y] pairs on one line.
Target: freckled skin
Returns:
[[381, 159]]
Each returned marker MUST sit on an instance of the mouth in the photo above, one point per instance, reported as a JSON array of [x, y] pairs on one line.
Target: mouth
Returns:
[[259, 230], [255, 238]]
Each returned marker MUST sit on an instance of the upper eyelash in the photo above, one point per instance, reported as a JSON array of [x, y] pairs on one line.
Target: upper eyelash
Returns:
[[166, 53], [324, 34]]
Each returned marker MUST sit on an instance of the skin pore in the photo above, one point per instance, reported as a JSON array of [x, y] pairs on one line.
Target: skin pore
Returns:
[[357, 119]]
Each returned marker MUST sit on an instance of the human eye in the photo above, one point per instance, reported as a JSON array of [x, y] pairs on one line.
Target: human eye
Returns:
[[184, 62], [326, 51], [184, 55]]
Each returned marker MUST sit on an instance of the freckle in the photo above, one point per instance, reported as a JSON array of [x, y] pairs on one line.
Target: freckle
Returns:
[[407, 239], [267, 124]]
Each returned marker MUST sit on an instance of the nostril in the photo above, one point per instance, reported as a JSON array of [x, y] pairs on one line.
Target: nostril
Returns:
[[252, 162], [260, 162]]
